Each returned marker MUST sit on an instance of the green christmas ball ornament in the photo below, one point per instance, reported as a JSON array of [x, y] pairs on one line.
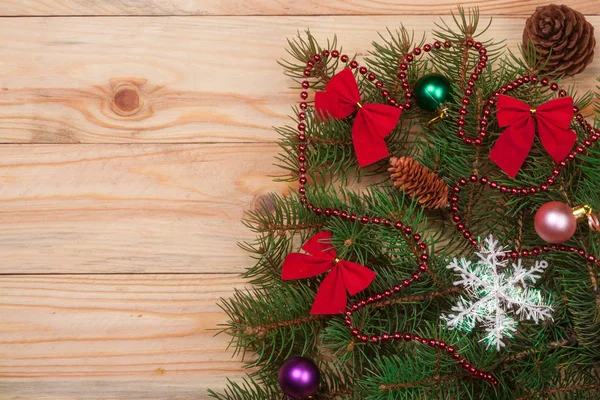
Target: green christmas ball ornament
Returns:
[[431, 91]]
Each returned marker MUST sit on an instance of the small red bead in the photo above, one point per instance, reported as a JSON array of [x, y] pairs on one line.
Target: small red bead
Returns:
[[301, 115], [302, 126], [470, 42], [344, 58], [354, 64], [371, 77], [305, 85], [554, 87], [302, 158], [325, 52], [468, 91], [302, 137], [307, 73], [364, 220], [544, 81], [317, 57], [450, 349], [362, 70], [379, 84], [303, 105], [335, 53], [403, 66], [437, 44], [406, 283], [447, 44], [407, 230], [427, 47], [410, 58], [416, 51]]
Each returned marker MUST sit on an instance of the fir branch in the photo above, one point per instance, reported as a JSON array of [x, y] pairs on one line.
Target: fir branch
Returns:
[[425, 382], [417, 298], [262, 330], [567, 389]]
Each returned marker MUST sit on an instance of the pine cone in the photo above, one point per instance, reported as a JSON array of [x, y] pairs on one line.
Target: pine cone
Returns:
[[419, 182], [563, 37]]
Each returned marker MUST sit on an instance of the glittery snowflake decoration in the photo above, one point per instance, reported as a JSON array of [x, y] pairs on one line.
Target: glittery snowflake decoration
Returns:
[[496, 295]]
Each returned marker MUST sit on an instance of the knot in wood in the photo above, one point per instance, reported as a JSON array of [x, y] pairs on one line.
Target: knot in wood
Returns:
[[126, 100]]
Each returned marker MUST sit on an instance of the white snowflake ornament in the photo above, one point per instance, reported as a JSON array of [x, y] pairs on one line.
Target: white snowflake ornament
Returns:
[[496, 294]]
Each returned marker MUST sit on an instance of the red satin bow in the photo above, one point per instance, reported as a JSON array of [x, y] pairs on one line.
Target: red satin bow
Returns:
[[344, 275], [372, 124], [553, 120]]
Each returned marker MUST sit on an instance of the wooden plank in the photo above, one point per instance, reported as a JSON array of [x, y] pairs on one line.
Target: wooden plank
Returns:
[[147, 80], [273, 7], [113, 337], [129, 208]]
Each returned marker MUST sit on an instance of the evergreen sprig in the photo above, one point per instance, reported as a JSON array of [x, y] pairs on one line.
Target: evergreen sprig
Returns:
[[270, 321]]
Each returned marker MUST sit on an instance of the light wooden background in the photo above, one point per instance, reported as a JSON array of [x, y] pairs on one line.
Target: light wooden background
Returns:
[[133, 135]]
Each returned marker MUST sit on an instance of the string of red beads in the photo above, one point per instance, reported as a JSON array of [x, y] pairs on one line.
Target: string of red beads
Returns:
[[406, 230], [456, 190]]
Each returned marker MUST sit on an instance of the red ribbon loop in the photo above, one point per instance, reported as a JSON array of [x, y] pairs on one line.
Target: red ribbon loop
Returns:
[[372, 124], [553, 120], [345, 275]]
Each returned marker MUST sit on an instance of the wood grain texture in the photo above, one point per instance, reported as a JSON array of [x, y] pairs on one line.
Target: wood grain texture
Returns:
[[151, 336], [129, 208], [133, 145], [273, 7], [153, 79]]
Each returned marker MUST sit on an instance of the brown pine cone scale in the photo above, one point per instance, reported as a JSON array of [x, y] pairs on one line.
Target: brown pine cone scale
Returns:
[[419, 182], [562, 37]]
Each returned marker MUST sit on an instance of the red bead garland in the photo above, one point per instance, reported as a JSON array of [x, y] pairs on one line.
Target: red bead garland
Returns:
[[418, 246]]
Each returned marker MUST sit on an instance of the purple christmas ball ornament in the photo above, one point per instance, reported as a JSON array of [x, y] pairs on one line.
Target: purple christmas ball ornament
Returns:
[[299, 377]]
